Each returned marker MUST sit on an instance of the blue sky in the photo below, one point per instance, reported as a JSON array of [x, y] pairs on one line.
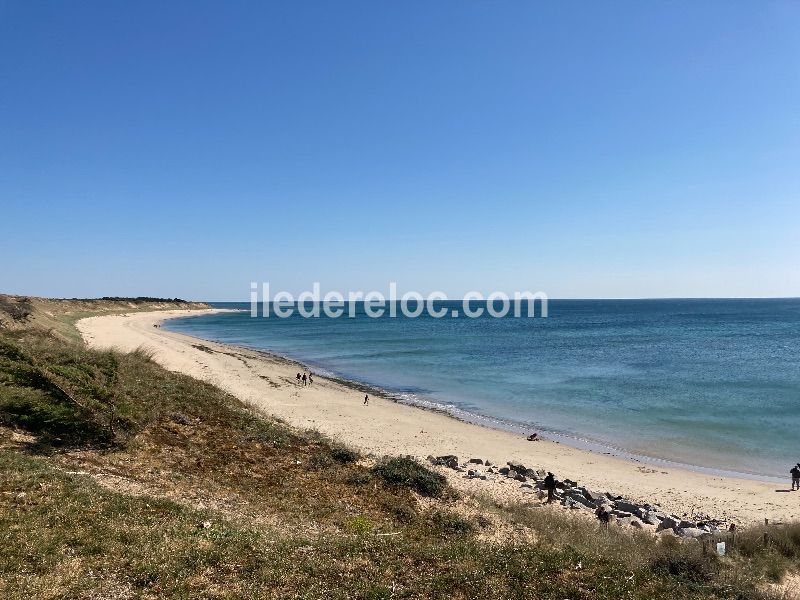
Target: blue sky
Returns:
[[613, 149]]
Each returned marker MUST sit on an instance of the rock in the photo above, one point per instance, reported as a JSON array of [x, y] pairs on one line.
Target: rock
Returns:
[[487, 463], [636, 523], [526, 485], [521, 477], [651, 518], [590, 495], [570, 483], [667, 523], [578, 497], [621, 514], [517, 468], [476, 461], [448, 460], [570, 503], [629, 507], [692, 533], [512, 474], [505, 470], [684, 524]]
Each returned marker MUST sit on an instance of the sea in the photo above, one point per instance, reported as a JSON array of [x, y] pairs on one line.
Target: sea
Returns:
[[709, 384]]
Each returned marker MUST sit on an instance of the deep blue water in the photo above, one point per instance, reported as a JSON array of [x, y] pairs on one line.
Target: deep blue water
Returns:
[[711, 383]]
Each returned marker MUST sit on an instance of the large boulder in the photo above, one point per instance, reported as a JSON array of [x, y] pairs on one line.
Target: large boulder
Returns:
[[572, 503], [626, 506], [516, 467], [668, 523], [593, 494], [577, 496], [651, 518]]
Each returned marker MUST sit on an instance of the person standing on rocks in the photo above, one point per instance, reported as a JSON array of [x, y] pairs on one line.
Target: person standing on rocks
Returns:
[[550, 486], [795, 473]]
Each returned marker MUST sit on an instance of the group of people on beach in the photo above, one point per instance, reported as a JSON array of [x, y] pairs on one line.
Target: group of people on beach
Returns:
[[305, 379], [308, 378]]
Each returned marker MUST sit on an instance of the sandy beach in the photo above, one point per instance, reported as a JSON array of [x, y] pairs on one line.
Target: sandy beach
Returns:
[[387, 427]]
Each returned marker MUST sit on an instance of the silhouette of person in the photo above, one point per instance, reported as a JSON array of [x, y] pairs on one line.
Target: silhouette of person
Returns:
[[366, 400], [550, 486]]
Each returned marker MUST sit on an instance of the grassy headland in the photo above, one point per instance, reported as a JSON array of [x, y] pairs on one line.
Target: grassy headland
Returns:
[[121, 479]]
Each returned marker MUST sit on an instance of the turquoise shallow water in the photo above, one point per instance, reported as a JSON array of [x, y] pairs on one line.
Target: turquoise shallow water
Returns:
[[709, 383]]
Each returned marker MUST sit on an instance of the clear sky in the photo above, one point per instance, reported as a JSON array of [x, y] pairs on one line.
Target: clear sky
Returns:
[[585, 149]]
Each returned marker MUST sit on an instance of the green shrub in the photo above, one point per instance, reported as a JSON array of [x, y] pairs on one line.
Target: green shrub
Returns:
[[408, 472], [344, 455], [360, 525], [683, 560]]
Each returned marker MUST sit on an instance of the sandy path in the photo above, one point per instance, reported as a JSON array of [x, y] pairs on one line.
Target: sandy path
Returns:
[[386, 427]]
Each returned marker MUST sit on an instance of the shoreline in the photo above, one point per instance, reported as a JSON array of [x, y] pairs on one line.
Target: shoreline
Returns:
[[493, 423], [264, 379], [485, 421]]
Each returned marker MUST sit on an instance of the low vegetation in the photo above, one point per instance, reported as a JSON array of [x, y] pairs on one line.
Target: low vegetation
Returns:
[[119, 479], [404, 471]]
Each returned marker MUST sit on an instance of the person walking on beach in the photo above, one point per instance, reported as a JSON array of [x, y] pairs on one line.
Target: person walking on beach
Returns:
[[298, 379], [305, 379], [550, 486], [310, 378], [366, 400], [795, 472]]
